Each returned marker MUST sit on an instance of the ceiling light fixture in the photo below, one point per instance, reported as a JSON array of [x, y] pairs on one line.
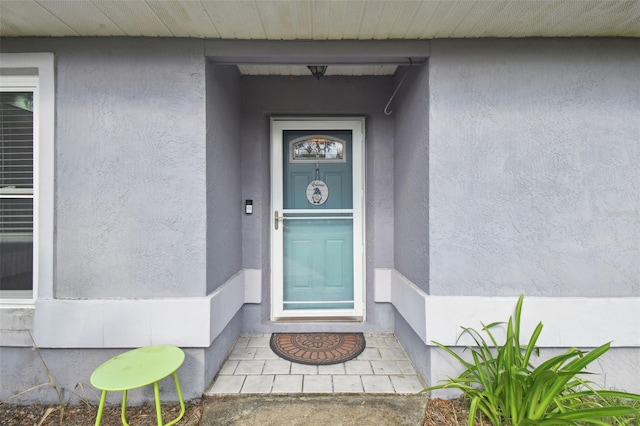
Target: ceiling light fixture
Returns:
[[317, 70]]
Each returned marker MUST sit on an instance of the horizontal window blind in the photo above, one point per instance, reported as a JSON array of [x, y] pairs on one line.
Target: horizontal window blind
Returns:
[[16, 190], [16, 142], [17, 219]]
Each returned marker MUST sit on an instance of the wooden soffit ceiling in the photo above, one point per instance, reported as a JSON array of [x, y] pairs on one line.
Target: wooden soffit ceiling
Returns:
[[316, 20], [320, 19]]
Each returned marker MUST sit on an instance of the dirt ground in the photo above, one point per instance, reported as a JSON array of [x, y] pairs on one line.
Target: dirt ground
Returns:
[[85, 415], [439, 412]]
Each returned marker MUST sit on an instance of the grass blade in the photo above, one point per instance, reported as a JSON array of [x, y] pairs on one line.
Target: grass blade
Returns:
[[596, 413]]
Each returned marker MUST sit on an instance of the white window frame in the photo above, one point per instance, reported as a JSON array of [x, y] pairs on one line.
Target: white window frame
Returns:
[[35, 72]]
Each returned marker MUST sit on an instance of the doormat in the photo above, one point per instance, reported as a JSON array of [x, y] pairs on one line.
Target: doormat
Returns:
[[317, 348]]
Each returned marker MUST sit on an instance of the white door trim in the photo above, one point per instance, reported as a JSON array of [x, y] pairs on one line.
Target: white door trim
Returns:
[[357, 127]]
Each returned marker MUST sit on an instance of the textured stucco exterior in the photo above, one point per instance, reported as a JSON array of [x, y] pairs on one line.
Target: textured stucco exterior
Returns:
[[507, 167], [25, 369], [263, 97], [130, 155], [131, 207], [224, 191], [411, 177], [224, 175], [534, 186]]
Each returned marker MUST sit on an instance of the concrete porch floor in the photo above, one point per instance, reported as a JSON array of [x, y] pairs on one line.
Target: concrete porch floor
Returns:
[[253, 368]]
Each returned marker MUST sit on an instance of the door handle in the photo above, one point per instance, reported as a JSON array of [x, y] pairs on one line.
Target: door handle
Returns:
[[276, 218]]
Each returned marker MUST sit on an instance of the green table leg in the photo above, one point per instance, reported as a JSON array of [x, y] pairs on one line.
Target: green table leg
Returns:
[[156, 394], [182, 407], [123, 410], [101, 407]]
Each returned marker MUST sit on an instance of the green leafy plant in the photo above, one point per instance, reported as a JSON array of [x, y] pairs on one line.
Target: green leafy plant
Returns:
[[502, 383]]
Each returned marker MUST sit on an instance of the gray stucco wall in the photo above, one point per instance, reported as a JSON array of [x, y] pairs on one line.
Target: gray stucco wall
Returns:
[[411, 199], [411, 176], [216, 354], [130, 166], [416, 350], [534, 182], [224, 175], [533, 148], [130, 194], [224, 205], [356, 96], [23, 369]]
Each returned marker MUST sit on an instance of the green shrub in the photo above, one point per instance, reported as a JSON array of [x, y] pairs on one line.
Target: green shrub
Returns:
[[503, 384]]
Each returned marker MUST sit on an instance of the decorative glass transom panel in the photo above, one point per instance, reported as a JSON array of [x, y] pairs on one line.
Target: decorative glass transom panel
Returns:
[[317, 149]]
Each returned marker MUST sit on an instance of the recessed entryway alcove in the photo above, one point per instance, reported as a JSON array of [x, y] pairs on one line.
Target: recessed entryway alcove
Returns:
[[247, 88]]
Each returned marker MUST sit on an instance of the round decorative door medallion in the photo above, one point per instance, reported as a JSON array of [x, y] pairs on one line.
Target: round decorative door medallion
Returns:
[[317, 192]]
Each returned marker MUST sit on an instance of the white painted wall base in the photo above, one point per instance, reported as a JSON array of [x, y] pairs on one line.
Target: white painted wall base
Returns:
[[568, 321], [197, 321], [128, 323]]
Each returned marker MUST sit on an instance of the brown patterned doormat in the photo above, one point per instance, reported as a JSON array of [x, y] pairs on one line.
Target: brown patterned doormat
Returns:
[[318, 348]]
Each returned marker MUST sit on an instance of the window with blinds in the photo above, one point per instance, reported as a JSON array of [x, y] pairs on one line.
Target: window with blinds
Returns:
[[16, 190]]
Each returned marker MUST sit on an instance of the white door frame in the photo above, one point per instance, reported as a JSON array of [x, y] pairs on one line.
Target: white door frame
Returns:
[[357, 127]]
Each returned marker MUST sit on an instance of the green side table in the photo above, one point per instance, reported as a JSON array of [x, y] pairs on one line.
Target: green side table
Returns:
[[135, 369]]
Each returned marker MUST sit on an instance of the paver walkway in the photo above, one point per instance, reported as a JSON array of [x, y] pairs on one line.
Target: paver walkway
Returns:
[[253, 368]]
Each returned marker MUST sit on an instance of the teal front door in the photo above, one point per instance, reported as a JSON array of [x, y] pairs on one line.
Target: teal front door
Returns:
[[317, 229]]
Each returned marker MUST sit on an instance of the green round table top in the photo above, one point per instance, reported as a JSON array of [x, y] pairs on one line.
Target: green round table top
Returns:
[[137, 368]]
